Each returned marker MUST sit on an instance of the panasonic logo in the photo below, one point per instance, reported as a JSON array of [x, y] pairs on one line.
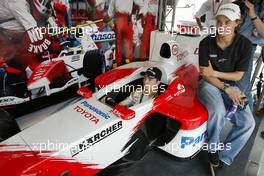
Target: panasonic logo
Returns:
[[187, 141], [96, 110]]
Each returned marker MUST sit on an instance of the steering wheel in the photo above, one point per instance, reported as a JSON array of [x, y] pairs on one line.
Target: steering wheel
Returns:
[[110, 99]]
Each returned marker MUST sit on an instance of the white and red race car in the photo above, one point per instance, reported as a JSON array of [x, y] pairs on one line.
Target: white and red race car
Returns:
[[73, 66], [88, 136]]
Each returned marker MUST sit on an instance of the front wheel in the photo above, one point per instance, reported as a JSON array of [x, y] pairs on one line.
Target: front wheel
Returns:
[[93, 64]]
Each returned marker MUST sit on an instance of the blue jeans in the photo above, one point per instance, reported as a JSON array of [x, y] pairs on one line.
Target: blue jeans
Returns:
[[244, 83], [216, 102]]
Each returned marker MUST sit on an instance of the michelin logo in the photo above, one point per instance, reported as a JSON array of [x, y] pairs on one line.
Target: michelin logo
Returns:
[[96, 110], [188, 141]]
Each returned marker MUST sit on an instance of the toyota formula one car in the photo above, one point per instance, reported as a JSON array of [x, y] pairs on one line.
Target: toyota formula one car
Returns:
[[90, 135], [78, 61]]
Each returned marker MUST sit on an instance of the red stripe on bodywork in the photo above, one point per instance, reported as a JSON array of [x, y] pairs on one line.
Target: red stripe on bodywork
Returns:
[[184, 107], [48, 70], [112, 76], [28, 163]]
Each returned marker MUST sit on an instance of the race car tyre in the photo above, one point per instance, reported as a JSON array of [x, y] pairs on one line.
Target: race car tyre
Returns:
[[93, 64], [8, 125]]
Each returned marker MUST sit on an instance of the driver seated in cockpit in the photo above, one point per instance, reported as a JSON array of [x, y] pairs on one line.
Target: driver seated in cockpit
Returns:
[[149, 90]]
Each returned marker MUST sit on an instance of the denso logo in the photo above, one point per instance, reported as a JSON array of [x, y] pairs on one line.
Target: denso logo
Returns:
[[96, 110], [117, 113], [123, 115], [103, 36], [187, 141]]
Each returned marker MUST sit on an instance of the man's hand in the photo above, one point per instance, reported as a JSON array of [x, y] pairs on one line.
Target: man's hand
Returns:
[[251, 9], [208, 71], [236, 96]]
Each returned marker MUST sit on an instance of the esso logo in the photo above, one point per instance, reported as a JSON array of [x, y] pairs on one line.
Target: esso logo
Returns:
[[174, 49]]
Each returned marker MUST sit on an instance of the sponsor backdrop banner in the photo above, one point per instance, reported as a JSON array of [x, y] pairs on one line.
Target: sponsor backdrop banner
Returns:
[[44, 41]]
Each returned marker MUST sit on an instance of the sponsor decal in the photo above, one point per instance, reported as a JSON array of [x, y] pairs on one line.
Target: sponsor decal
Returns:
[[75, 58], [123, 112], [222, 60], [38, 43], [178, 53], [213, 55], [85, 92], [180, 90], [7, 100], [104, 36], [228, 9], [86, 144], [196, 51], [191, 141], [39, 73], [96, 110], [35, 35], [42, 70], [182, 55], [117, 113], [86, 114], [39, 48], [174, 49]]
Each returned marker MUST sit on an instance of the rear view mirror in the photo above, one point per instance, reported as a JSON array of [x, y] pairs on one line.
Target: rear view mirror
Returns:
[[85, 92]]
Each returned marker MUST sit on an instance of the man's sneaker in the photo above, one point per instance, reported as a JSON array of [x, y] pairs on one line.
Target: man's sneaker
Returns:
[[215, 163], [214, 158]]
